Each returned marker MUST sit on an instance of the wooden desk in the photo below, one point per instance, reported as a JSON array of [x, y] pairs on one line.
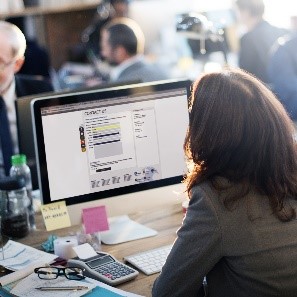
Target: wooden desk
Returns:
[[165, 220]]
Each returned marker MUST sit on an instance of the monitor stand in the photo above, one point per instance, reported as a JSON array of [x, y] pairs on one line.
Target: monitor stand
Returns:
[[122, 229]]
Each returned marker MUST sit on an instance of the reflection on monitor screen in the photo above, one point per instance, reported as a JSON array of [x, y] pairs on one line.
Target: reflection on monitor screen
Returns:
[[100, 145]]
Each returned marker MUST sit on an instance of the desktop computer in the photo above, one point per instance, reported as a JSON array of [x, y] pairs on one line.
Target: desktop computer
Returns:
[[121, 147]]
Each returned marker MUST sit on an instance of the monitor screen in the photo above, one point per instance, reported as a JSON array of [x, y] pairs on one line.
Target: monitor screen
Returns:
[[24, 122], [102, 144]]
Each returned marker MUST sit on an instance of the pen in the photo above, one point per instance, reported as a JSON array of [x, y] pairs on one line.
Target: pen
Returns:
[[70, 288]]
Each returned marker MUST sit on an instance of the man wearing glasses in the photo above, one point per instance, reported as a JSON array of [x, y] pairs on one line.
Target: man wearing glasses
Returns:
[[12, 86]]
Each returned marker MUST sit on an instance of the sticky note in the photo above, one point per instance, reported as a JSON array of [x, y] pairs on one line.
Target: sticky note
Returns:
[[55, 215], [95, 219]]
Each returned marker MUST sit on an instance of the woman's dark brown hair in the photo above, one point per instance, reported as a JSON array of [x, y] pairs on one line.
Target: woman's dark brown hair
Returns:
[[239, 130]]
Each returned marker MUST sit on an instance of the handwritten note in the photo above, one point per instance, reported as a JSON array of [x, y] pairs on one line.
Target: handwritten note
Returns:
[[95, 219], [55, 215]]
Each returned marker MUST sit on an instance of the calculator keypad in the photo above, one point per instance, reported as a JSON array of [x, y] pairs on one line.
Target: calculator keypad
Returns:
[[114, 270]]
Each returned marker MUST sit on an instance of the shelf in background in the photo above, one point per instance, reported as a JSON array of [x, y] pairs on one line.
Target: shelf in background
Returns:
[[42, 10]]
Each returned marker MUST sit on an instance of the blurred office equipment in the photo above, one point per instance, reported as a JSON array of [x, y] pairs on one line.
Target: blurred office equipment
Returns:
[[88, 50], [205, 32], [74, 75]]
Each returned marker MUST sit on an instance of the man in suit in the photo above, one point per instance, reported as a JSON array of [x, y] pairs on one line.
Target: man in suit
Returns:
[[256, 43], [12, 86], [122, 45], [282, 70]]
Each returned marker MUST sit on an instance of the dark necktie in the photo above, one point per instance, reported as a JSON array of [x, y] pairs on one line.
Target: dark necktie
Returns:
[[5, 137]]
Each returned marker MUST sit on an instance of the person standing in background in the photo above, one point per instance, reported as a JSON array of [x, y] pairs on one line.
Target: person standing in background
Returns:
[[13, 86], [256, 43], [282, 69]]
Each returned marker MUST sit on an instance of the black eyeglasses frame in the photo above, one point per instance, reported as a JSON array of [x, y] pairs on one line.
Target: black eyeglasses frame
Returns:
[[61, 271]]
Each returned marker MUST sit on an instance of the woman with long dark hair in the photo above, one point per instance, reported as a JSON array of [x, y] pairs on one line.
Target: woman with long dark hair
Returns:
[[240, 230]]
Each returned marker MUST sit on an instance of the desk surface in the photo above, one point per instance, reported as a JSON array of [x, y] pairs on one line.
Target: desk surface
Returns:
[[165, 220]]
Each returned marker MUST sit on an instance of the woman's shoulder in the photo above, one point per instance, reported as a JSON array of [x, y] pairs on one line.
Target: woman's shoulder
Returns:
[[213, 187], [205, 193], [215, 192]]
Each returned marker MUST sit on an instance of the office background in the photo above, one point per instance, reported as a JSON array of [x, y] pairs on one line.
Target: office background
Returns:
[[51, 22]]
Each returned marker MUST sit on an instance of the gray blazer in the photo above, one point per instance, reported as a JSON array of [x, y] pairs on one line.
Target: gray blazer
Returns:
[[246, 252], [143, 71]]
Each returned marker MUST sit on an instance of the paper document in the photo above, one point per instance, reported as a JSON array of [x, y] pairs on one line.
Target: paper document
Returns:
[[18, 256], [17, 275], [108, 290], [24, 259], [84, 251], [122, 229], [27, 287]]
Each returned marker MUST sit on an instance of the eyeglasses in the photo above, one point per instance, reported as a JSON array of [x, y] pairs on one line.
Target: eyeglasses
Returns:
[[73, 273]]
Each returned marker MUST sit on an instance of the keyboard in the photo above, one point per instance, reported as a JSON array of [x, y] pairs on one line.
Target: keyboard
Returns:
[[150, 261]]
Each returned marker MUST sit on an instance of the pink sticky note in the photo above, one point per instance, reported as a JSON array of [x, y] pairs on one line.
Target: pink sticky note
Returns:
[[95, 219]]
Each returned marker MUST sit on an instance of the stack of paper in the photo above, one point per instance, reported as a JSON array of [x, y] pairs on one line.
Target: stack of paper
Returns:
[[18, 256], [28, 287]]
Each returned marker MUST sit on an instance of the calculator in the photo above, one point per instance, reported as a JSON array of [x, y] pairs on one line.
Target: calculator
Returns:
[[105, 268]]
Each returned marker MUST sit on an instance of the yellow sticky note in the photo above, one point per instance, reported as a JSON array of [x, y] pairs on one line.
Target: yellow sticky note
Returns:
[[55, 215]]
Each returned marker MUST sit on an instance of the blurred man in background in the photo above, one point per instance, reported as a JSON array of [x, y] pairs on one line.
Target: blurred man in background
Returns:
[[282, 70], [37, 60], [12, 86], [257, 42], [122, 45]]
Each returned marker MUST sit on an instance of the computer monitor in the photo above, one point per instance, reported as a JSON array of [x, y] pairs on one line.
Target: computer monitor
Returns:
[[124, 142], [24, 122]]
